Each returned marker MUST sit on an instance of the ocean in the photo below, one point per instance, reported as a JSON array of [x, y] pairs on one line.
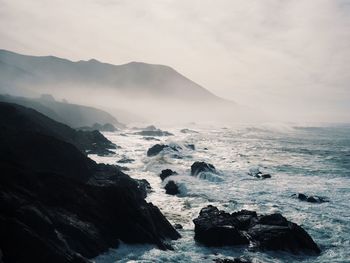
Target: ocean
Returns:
[[309, 160]]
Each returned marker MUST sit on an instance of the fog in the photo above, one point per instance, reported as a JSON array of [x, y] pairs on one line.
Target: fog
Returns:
[[288, 59]]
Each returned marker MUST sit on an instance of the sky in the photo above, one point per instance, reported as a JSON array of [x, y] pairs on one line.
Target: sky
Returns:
[[287, 58]]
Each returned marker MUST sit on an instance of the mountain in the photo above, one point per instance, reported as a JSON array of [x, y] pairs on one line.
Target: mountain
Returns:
[[71, 114], [148, 91], [59, 206]]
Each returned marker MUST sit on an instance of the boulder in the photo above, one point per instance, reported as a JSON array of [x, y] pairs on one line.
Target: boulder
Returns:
[[265, 232], [198, 167], [178, 226], [125, 160], [171, 188], [166, 173], [191, 146]]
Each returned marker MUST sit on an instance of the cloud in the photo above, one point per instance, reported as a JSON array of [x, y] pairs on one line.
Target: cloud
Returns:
[[289, 58]]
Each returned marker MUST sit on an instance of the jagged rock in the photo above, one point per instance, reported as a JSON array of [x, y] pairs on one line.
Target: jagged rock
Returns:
[[171, 188], [57, 205], [166, 173], [157, 148], [216, 228], [266, 232], [198, 167]]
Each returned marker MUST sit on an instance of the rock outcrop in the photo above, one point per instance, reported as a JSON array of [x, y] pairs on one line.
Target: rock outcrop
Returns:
[[198, 167], [57, 205], [264, 232]]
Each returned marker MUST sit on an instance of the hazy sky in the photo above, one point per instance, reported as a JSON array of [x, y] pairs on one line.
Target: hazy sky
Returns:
[[286, 57]]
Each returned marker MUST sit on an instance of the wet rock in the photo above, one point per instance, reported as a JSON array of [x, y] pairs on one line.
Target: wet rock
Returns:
[[151, 139], [178, 226], [198, 167], [216, 228], [166, 173], [265, 232], [311, 199], [125, 160], [156, 149], [171, 188]]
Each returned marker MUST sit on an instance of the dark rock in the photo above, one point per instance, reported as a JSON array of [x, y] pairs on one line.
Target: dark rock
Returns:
[[198, 167], [171, 188], [125, 160], [190, 146], [166, 173], [178, 226], [156, 149], [57, 205], [217, 228], [311, 199], [258, 174], [302, 197], [265, 232]]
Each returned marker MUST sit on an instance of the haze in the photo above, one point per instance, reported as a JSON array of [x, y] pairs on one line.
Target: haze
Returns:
[[288, 58]]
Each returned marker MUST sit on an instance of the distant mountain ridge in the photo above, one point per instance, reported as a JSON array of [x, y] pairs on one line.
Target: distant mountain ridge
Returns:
[[143, 78]]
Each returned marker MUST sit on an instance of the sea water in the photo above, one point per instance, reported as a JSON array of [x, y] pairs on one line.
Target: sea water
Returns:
[[309, 160]]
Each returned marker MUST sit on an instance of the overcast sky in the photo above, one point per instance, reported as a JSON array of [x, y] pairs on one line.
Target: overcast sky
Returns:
[[287, 57]]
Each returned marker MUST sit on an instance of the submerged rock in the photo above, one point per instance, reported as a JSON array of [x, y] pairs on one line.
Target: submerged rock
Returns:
[[258, 174], [171, 188], [126, 160], [188, 131], [178, 226], [166, 173], [153, 131], [265, 232], [198, 167]]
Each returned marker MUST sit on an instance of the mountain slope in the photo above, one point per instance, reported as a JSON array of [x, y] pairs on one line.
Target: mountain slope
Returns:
[[143, 78], [71, 114]]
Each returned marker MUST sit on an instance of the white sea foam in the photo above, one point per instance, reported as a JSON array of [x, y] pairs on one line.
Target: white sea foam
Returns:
[[315, 162]]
